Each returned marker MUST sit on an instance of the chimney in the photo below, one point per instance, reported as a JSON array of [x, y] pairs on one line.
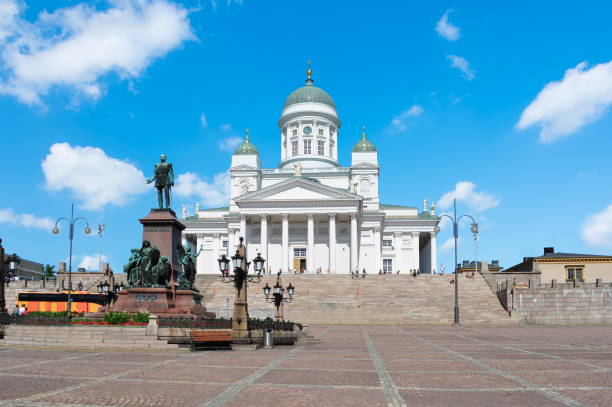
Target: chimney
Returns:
[[466, 263], [495, 263], [549, 250]]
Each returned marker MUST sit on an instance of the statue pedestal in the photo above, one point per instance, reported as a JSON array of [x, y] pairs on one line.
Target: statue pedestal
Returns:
[[159, 301], [162, 229]]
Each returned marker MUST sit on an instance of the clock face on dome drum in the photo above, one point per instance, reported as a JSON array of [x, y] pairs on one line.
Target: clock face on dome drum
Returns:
[[307, 130]]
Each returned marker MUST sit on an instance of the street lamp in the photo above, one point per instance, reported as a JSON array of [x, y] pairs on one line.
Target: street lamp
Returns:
[[240, 277], [56, 231], [8, 269], [224, 265], [474, 230], [278, 297]]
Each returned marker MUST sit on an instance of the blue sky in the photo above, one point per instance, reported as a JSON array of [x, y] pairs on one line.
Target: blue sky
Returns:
[[504, 107]]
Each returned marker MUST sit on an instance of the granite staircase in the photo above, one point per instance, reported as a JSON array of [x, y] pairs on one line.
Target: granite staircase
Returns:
[[376, 299], [85, 338]]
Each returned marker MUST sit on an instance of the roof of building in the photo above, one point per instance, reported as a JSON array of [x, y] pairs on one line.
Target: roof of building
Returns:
[[550, 254], [569, 255], [364, 145], [309, 93], [387, 206], [219, 209], [246, 147]]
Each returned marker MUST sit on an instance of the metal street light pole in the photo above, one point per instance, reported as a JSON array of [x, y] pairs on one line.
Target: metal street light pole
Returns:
[[56, 230], [474, 230]]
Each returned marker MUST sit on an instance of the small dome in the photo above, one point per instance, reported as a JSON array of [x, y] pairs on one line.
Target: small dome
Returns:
[[246, 147], [309, 93], [364, 145]]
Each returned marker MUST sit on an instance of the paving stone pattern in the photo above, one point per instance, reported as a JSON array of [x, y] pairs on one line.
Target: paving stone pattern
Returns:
[[355, 365]]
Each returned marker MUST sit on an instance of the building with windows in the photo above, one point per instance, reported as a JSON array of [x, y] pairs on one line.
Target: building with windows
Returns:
[[566, 267], [311, 213]]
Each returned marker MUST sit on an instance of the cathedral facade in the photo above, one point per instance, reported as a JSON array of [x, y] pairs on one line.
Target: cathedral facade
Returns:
[[311, 214]]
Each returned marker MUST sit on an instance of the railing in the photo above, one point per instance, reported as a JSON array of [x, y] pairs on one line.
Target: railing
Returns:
[[273, 325], [217, 323], [222, 323], [35, 320]]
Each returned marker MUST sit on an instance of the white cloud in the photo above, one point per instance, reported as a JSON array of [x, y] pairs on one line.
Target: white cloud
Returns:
[[465, 192], [92, 262], [26, 220], [91, 176], [77, 47], [203, 120], [230, 143], [449, 244], [597, 229], [400, 122], [580, 98], [213, 193], [226, 127], [446, 29], [463, 65]]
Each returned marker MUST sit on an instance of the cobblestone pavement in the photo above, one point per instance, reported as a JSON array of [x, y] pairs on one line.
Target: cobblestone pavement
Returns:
[[353, 366]]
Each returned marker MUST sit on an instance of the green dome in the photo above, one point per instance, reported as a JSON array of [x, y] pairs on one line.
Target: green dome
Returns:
[[364, 145], [309, 93], [246, 147]]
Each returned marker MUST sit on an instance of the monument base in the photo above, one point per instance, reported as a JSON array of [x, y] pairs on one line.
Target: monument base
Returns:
[[159, 301]]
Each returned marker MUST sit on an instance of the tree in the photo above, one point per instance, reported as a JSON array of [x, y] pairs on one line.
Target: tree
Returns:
[[49, 271]]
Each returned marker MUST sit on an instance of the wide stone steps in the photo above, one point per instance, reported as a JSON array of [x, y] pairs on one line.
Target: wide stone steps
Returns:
[[388, 299], [85, 338]]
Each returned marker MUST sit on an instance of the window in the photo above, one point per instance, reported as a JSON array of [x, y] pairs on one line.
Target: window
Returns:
[[320, 132], [295, 132], [225, 244], [299, 252], [307, 146], [574, 273], [294, 148], [321, 147], [387, 243], [388, 265]]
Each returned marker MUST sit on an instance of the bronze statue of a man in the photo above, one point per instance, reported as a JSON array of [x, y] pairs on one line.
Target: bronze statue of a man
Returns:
[[164, 181]]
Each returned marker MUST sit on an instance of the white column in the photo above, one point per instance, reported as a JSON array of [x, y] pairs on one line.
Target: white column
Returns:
[[200, 267], [216, 246], [264, 238], [415, 250], [285, 241], [354, 242], [332, 243], [377, 250], [231, 242], [243, 219], [398, 264], [310, 249], [434, 255]]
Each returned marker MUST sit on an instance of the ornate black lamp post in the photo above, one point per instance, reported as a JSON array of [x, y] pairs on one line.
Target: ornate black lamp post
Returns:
[[278, 296], [474, 230], [240, 277], [55, 231], [8, 269]]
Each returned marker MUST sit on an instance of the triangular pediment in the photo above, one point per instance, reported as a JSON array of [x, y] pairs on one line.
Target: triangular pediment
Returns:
[[297, 189]]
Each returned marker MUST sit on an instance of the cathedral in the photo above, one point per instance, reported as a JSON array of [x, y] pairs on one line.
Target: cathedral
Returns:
[[312, 215]]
